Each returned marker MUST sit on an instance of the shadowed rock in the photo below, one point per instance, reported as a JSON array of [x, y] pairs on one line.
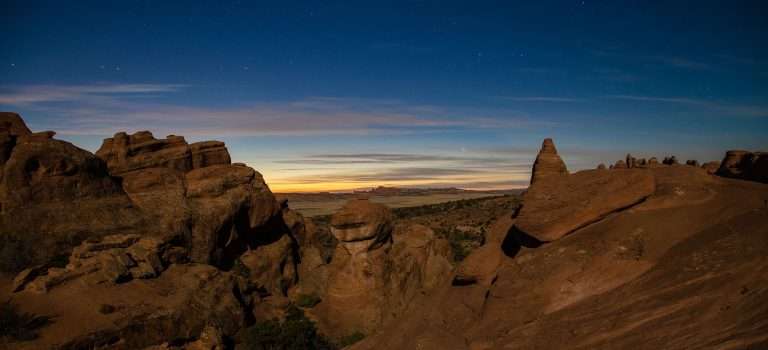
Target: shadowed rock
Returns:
[[745, 165]]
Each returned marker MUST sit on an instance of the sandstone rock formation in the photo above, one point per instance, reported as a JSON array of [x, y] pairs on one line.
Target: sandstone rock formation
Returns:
[[745, 165], [53, 193], [620, 164], [601, 166], [553, 209], [711, 167], [548, 163], [683, 269], [653, 162], [692, 162], [374, 274], [671, 160], [124, 153]]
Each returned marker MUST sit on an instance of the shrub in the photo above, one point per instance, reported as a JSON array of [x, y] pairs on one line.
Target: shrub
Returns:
[[16, 325], [296, 332], [351, 339], [307, 300]]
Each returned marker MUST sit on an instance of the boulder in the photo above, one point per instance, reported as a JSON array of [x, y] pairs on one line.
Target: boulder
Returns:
[[620, 165], [230, 204], [745, 165], [548, 163], [692, 162], [653, 162], [553, 209], [601, 166], [361, 220]]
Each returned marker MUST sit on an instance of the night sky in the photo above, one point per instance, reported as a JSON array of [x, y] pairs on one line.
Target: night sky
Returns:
[[336, 96]]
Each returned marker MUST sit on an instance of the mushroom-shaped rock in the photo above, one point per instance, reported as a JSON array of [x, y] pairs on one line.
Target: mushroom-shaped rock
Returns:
[[548, 163], [360, 220]]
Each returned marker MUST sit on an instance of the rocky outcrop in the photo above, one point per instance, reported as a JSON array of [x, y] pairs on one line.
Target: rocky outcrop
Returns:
[[711, 167], [745, 165], [374, 274], [559, 205], [548, 163], [53, 193], [125, 153], [671, 160], [111, 259]]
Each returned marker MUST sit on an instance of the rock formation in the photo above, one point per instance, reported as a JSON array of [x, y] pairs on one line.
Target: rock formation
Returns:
[[672, 160], [374, 273], [124, 153], [620, 164], [711, 167], [640, 278], [745, 165], [548, 163], [130, 225], [692, 162], [553, 209]]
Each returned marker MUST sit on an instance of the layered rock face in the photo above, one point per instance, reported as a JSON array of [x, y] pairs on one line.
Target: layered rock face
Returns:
[[147, 228], [125, 153], [745, 165], [548, 163], [374, 274]]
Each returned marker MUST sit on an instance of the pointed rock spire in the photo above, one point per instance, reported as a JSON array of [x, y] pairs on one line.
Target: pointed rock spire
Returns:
[[548, 164]]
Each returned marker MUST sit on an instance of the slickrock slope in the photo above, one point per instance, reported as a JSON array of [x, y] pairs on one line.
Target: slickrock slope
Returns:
[[548, 164], [686, 268]]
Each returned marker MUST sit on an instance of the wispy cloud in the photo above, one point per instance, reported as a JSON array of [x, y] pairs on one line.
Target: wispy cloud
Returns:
[[104, 109], [541, 99], [721, 108]]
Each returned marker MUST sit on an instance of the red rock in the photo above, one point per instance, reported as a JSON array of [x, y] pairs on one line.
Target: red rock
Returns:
[[548, 163]]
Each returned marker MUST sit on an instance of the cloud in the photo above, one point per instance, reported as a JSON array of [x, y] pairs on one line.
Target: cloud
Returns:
[[102, 109], [542, 99], [725, 109], [36, 94]]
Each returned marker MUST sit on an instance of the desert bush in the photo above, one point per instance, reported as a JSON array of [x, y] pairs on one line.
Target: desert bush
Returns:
[[296, 332], [16, 325], [307, 300], [350, 339]]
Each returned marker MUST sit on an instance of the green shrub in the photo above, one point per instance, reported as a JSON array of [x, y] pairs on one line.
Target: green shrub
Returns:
[[307, 300], [16, 325], [351, 339], [296, 332]]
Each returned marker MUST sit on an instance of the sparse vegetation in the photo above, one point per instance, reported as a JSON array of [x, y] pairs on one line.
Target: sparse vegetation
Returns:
[[307, 300], [351, 339], [296, 332], [16, 325]]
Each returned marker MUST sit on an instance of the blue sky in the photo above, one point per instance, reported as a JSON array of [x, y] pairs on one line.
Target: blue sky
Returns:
[[329, 95]]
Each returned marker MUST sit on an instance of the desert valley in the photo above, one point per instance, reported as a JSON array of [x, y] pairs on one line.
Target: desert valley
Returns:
[[383, 175], [162, 244]]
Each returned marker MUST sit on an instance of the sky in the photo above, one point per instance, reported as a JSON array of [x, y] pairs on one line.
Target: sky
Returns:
[[334, 96]]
